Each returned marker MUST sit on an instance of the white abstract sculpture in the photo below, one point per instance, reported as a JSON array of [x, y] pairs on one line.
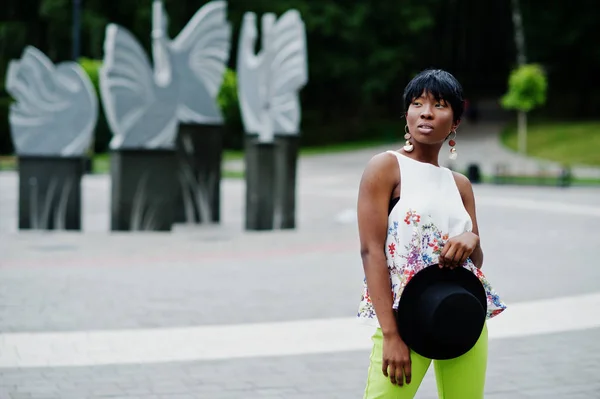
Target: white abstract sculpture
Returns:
[[143, 104], [268, 82], [56, 107]]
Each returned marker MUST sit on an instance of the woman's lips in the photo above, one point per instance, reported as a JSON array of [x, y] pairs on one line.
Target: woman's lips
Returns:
[[425, 129]]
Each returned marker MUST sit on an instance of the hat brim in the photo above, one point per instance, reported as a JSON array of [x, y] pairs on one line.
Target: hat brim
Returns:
[[420, 341]]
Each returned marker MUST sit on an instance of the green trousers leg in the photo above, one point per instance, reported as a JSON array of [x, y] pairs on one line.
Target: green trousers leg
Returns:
[[459, 378], [464, 377]]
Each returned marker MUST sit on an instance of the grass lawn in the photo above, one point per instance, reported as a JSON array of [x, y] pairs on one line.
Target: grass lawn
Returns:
[[101, 163], [571, 143], [539, 181], [325, 149], [355, 145], [7, 162]]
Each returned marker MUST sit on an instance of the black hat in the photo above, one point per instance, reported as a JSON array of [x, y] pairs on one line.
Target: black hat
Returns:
[[442, 312]]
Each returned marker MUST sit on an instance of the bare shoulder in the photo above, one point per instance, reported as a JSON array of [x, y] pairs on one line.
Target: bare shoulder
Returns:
[[464, 184], [378, 172], [384, 158], [381, 163]]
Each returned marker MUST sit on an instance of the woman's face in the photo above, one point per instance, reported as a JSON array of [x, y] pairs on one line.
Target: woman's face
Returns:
[[430, 121]]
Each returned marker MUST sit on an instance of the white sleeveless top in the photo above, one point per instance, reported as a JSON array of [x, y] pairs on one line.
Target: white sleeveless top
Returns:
[[429, 212]]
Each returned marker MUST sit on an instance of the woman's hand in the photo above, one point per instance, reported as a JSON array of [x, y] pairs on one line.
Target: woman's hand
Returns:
[[396, 360], [457, 249]]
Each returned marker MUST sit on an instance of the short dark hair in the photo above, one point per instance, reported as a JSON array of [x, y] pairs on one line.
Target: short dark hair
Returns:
[[441, 85]]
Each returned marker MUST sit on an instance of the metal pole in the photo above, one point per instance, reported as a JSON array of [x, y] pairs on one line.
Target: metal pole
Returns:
[[76, 29]]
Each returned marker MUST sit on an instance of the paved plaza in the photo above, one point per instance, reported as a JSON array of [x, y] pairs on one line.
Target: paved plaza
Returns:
[[218, 313]]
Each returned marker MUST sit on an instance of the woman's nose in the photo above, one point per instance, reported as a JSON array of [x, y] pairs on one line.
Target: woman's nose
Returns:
[[426, 112]]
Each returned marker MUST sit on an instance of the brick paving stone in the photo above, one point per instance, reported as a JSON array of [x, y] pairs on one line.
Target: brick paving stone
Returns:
[[197, 276], [207, 286], [557, 366]]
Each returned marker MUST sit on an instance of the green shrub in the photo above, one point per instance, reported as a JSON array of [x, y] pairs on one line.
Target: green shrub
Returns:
[[228, 97], [102, 133], [92, 68], [229, 105], [6, 146]]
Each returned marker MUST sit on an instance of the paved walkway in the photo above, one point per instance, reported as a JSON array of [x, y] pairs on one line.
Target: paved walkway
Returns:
[[216, 312]]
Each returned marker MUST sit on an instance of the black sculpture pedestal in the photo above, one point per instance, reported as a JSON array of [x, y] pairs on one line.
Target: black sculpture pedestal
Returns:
[[270, 170], [199, 154], [50, 192], [286, 159], [260, 182], [144, 184]]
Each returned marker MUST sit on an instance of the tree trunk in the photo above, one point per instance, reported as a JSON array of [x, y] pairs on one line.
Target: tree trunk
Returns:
[[522, 130], [519, 34], [521, 60]]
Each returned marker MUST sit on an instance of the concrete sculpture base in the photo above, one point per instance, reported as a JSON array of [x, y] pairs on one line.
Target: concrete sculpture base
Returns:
[[199, 154], [50, 193], [144, 184]]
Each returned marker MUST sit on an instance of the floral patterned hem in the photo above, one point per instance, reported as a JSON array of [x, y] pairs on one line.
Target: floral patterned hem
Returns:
[[423, 250]]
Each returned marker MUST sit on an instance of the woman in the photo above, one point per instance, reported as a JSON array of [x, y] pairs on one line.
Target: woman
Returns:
[[421, 214]]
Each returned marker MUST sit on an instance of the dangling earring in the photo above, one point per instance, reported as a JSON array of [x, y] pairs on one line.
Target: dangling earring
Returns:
[[452, 143], [408, 147]]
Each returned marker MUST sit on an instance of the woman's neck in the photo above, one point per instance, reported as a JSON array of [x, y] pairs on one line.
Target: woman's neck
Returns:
[[425, 155]]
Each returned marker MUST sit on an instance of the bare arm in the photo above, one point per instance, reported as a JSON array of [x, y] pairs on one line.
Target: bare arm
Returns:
[[376, 187], [468, 197], [374, 193]]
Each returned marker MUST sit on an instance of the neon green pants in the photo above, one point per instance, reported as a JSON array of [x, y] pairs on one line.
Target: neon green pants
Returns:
[[459, 378]]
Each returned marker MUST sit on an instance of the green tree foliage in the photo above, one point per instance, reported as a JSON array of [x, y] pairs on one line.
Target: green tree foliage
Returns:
[[562, 36], [526, 90], [361, 53], [527, 87]]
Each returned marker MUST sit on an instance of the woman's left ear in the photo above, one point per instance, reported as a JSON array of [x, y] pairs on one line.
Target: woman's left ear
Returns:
[[455, 125]]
